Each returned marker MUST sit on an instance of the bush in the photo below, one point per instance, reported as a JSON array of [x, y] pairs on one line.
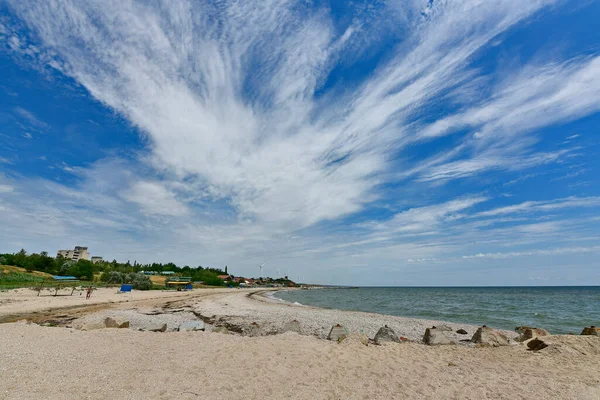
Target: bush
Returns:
[[115, 277], [141, 282]]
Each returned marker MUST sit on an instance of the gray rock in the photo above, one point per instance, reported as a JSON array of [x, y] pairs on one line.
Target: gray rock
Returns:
[[337, 332], [220, 329], [192, 326], [435, 337], [110, 322], [488, 337], [526, 333], [253, 329], [292, 326], [90, 326], [592, 330], [444, 328], [462, 332], [158, 327], [386, 335]]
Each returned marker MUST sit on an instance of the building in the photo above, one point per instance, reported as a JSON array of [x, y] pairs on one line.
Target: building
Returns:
[[96, 259], [79, 253]]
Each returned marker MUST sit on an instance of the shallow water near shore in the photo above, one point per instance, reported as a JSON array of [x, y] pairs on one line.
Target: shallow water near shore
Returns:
[[560, 310]]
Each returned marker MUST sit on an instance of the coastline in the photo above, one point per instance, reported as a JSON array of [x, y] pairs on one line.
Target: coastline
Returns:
[[257, 361]]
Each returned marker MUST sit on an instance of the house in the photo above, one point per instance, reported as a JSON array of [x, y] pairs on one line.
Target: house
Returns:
[[224, 277]]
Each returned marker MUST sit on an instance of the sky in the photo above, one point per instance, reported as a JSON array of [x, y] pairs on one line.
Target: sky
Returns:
[[389, 143]]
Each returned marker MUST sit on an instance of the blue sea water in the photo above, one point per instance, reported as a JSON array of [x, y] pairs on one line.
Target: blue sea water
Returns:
[[560, 310]]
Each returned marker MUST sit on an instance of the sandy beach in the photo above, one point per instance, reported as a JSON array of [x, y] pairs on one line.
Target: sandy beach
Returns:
[[253, 363]]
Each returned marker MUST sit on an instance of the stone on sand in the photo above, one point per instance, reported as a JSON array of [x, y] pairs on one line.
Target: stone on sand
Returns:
[[254, 329], [192, 326], [337, 332], [220, 329], [592, 330], [386, 335], [292, 326], [110, 322], [488, 337], [526, 333], [90, 326], [435, 336], [462, 332], [158, 327], [444, 328]]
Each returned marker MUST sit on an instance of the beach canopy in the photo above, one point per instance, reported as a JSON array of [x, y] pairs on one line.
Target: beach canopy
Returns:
[[64, 278]]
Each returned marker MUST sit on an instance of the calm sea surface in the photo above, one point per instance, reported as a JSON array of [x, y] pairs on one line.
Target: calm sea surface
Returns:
[[557, 309]]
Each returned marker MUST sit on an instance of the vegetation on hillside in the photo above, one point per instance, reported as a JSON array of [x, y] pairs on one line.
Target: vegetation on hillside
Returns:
[[126, 272]]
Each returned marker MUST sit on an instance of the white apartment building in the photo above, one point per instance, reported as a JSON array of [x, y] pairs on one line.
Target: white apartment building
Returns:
[[79, 253]]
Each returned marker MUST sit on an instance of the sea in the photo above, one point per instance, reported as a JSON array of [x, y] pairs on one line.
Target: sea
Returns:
[[560, 310]]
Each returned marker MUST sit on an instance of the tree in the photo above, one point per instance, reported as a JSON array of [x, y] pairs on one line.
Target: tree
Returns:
[[141, 282], [226, 270]]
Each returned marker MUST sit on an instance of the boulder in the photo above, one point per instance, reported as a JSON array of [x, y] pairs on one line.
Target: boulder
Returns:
[[90, 326], [592, 330], [158, 327], [462, 332], [536, 344], [526, 333], [253, 329], [337, 332], [292, 326], [435, 337], [566, 344], [488, 337], [192, 326], [386, 335], [110, 322], [220, 329], [444, 328]]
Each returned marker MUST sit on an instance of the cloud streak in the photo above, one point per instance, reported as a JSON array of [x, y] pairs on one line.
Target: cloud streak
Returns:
[[251, 136]]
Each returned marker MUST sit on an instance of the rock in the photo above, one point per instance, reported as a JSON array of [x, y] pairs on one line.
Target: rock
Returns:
[[386, 335], [565, 344], [434, 337], [220, 329], [592, 330], [462, 332], [338, 333], [192, 326], [115, 323], [526, 333], [292, 326], [488, 337], [253, 330], [536, 344], [153, 327], [444, 328], [92, 326]]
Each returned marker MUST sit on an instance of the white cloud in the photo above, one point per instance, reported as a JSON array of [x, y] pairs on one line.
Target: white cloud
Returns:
[[5, 160], [27, 135], [30, 118], [154, 198], [247, 145], [6, 188], [183, 82], [537, 206]]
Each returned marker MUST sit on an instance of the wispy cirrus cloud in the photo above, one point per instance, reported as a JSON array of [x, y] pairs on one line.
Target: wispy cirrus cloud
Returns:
[[252, 137]]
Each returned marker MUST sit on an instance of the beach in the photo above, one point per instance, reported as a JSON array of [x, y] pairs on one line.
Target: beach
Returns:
[[255, 360]]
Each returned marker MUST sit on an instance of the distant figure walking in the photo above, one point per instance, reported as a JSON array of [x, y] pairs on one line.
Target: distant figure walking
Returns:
[[89, 292]]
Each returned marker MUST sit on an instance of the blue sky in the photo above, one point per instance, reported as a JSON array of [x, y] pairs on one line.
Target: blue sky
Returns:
[[416, 142]]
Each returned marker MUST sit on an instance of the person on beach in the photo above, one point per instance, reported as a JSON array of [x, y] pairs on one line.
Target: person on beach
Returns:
[[89, 292]]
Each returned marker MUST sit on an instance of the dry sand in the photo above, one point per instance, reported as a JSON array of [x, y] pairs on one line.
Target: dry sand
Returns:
[[51, 363]]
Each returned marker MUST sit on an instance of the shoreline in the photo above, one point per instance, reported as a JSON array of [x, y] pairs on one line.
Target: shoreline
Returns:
[[60, 361]]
